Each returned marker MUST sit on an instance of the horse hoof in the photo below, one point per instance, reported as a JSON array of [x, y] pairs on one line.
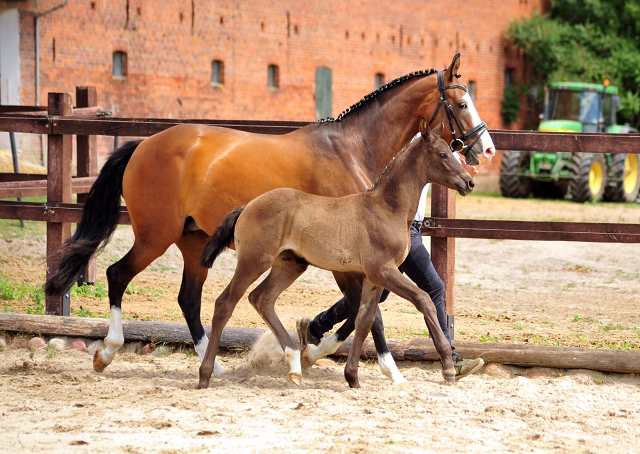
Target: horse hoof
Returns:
[[203, 384], [401, 383], [98, 364], [296, 378]]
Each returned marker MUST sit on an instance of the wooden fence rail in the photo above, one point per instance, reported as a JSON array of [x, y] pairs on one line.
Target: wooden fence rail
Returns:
[[61, 121]]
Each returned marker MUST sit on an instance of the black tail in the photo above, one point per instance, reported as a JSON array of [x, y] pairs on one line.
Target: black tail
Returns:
[[221, 238], [99, 220]]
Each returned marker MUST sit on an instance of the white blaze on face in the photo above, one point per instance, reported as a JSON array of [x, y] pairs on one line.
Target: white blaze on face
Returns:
[[488, 149]]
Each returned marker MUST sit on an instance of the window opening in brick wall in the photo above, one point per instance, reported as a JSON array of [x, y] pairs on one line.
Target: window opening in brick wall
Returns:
[[273, 76], [323, 93], [472, 89], [217, 72], [119, 64], [53, 49], [379, 80], [509, 74]]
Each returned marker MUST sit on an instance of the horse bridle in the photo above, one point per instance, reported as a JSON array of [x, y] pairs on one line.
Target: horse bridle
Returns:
[[457, 144]]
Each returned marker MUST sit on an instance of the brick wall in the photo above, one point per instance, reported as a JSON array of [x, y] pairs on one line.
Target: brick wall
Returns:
[[170, 49]]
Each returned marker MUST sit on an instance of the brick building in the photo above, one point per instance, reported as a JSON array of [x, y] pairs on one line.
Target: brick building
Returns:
[[232, 59]]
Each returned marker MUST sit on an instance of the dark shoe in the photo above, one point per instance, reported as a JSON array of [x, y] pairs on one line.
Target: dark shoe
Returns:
[[304, 334], [465, 367]]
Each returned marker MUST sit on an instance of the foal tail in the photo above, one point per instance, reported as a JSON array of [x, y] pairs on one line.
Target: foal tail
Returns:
[[221, 238], [99, 220]]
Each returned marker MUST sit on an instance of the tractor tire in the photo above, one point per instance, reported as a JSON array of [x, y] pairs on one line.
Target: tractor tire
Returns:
[[588, 177], [512, 184], [625, 184]]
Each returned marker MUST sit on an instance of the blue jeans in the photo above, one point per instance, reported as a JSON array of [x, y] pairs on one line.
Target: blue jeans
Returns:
[[419, 268]]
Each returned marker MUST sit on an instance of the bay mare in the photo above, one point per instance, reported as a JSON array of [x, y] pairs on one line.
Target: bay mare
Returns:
[[179, 184], [364, 236]]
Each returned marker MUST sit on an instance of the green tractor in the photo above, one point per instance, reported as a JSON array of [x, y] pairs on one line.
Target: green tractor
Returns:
[[574, 107]]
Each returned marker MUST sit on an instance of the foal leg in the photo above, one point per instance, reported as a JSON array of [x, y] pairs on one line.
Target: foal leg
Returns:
[[392, 279], [190, 296], [364, 321], [246, 273], [118, 276], [284, 271]]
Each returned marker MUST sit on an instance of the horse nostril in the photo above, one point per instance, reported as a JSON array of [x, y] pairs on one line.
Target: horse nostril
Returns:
[[471, 184]]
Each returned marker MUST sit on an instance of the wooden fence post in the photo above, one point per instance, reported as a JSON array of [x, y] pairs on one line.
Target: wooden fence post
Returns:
[[87, 152], [58, 190], [443, 249]]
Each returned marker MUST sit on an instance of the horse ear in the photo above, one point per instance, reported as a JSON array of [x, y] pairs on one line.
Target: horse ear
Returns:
[[453, 68], [424, 127], [437, 131]]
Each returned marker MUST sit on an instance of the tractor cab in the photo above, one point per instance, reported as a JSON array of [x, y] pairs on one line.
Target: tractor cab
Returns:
[[580, 107]]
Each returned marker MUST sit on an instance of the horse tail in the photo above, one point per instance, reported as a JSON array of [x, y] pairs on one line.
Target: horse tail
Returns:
[[99, 220], [221, 238]]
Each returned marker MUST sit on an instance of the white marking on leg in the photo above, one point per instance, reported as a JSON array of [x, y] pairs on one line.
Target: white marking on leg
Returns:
[[328, 346], [201, 350], [115, 338], [389, 368], [293, 358]]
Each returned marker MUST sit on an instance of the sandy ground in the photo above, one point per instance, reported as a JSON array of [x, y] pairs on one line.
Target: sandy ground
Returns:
[[550, 293]]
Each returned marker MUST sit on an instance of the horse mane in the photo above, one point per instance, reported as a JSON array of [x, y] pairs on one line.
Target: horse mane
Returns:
[[377, 92]]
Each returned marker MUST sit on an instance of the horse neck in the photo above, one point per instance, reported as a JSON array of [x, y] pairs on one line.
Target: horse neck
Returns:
[[389, 121], [401, 183]]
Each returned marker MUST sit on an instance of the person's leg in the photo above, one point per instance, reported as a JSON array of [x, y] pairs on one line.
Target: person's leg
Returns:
[[419, 268]]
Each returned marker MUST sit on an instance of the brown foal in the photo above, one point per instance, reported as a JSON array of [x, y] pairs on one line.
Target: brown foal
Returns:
[[364, 235]]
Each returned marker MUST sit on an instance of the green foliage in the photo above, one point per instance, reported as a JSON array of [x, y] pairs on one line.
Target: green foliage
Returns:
[[585, 41], [511, 103], [91, 291]]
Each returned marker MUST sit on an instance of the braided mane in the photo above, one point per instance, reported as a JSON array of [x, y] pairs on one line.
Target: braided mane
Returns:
[[375, 93]]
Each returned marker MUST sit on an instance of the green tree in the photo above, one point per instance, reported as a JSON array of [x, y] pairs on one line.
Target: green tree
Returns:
[[588, 41]]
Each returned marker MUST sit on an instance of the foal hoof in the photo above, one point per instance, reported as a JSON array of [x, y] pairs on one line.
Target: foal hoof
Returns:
[[98, 364], [449, 377], [305, 361], [296, 378], [203, 384]]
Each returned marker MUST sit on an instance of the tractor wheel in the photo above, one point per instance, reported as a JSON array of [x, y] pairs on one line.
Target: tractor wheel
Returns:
[[588, 177], [512, 183], [626, 177]]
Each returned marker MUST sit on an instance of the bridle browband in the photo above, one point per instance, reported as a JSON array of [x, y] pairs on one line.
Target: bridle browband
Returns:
[[457, 144]]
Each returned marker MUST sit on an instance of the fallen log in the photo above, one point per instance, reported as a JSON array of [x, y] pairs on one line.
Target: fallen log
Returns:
[[417, 349]]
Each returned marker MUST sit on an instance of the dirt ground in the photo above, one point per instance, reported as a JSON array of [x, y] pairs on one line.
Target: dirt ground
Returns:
[[549, 293]]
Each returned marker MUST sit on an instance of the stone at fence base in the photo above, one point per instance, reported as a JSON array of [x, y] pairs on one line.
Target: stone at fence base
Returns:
[[3, 342], [497, 370], [147, 349], [162, 350], [36, 343], [59, 343], [541, 373], [93, 347], [133, 347], [78, 344]]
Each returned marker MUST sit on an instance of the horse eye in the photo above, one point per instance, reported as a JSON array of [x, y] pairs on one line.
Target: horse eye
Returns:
[[462, 105], [443, 155]]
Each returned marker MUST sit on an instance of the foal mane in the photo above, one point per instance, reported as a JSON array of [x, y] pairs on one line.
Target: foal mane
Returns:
[[389, 166], [373, 94]]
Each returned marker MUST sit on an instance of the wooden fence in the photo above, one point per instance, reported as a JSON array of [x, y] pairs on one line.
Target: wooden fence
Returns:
[[61, 121]]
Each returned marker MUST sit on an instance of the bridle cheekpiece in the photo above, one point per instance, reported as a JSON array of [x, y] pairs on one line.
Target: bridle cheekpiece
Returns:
[[458, 143]]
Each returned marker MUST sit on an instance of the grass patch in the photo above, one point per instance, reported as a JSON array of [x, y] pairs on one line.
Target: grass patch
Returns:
[[98, 290]]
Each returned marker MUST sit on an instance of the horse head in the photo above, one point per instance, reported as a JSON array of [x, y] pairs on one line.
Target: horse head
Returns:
[[469, 136], [442, 166]]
